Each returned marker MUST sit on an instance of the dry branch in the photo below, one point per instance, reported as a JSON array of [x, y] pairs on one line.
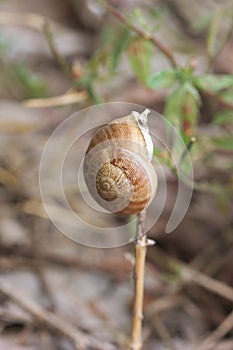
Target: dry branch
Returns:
[[55, 323], [189, 275], [141, 244], [68, 98], [12, 256], [145, 35], [216, 335]]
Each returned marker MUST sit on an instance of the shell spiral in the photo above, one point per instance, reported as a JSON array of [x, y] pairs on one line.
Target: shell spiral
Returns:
[[117, 167]]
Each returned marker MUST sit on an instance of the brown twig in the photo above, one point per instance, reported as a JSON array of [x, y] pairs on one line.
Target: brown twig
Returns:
[[45, 287], [220, 332], [147, 36], [139, 270], [55, 323], [188, 274], [61, 61], [68, 98], [187, 150], [12, 257], [163, 333], [141, 243], [163, 303]]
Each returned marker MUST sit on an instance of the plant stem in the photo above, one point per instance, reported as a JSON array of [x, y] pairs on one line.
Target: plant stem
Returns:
[[61, 61], [139, 270], [147, 36]]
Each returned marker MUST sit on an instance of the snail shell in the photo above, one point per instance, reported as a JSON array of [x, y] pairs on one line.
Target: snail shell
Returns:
[[117, 166]]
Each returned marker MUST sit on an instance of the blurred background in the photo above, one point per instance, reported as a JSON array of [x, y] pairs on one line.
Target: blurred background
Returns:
[[56, 58]]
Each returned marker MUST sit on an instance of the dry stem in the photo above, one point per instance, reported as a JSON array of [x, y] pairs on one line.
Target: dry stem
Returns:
[[61, 61], [190, 275], [68, 98], [139, 269], [225, 327], [145, 35]]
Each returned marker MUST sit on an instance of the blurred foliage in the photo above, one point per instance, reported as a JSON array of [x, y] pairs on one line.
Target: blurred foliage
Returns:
[[16, 78], [131, 39], [186, 88], [140, 53]]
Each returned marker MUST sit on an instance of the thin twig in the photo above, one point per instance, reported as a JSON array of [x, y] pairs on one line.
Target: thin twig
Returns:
[[219, 332], [61, 61], [55, 323], [45, 287], [135, 342], [190, 275], [163, 303], [163, 332], [187, 150], [147, 36], [17, 256], [68, 98]]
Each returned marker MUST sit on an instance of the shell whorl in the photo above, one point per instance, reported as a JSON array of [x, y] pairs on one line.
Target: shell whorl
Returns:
[[117, 167], [111, 182]]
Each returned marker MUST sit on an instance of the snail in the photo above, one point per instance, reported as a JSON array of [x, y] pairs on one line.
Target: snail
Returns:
[[117, 165]]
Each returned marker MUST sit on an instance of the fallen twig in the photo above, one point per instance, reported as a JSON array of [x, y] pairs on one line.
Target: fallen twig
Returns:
[[163, 332], [65, 99], [188, 274], [46, 290], [12, 257], [55, 323], [218, 333]]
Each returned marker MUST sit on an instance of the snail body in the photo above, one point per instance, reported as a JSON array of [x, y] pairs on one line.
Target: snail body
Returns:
[[117, 165]]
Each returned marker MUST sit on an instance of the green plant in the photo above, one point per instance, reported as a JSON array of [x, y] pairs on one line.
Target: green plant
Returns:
[[186, 88], [17, 80]]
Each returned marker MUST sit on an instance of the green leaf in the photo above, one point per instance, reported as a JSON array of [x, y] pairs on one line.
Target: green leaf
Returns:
[[182, 110], [140, 18], [174, 104], [191, 89], [214, 82], [32, 84], [163, 79], [140, 53], [223, 117], [225, 142]]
